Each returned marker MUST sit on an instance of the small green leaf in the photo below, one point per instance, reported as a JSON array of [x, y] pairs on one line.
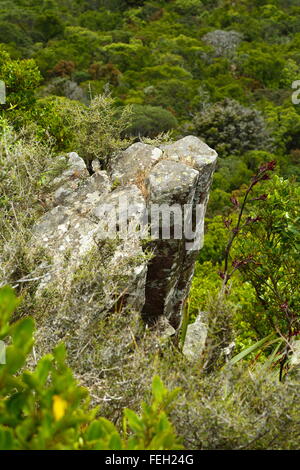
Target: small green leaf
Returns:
[[158, 389], [134, 422]]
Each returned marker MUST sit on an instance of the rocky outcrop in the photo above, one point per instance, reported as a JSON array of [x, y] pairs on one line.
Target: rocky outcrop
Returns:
[[181, 178], [195, 340], [138, 226]]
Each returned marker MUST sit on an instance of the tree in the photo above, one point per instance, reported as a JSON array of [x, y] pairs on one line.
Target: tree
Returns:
[[49, 24], [105, 71], [223, 42], [231, 128], [98, 129], [270, 241], [21, 78], [150, 121], [64, 68]]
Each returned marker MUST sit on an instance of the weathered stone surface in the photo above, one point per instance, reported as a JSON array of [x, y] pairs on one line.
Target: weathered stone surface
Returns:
[[192, 151], [92, 220], [135, 161], [171, 182], [70, 179], [295, 356], [189, 149], [195, 340], [76, 167], [129, 242], [75, 226], [183, 177]]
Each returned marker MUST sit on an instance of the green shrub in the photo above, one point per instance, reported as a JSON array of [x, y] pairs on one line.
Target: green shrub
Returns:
[[45, 408], [21, 78], [263, 245], [98, 129], [149, 121], [273, 244], [51, 115], [230, 128], [238, 409], [188, 7]]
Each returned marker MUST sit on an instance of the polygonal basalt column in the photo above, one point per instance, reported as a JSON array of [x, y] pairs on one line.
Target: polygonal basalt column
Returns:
[[178, 188]]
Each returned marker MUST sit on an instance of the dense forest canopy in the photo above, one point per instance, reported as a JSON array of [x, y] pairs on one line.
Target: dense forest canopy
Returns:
[[187, 60]]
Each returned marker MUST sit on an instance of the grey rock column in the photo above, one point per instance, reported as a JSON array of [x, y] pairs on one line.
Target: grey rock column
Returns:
[[181, 179]]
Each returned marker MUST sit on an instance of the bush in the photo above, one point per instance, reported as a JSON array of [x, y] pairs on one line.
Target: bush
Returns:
[[46, 409], [21, 78], [238, 409], [224, 42], [188, 7], [272, 244], [149, 121], [230, 128], [173, 93], [98, 129], [231, 174], [27, 169], [51, 115], [62, 86]]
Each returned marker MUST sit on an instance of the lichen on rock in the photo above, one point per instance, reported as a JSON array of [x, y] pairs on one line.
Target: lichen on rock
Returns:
[[104, 257]]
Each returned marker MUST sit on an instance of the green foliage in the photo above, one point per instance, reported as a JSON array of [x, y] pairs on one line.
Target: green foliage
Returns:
[[215, 241], [173, 93], [263, 245], [50, 25], [46, 116], [98, 129], [149, 121], [126, 55], [231, 409], [206, 284], [261, 63], [21, 78], [274, 244], [46, 409], [39, 409], [52, 117], [232, 173], [103, 20], [285, 122], [187, 7], [150, 431], [153, 430], [231, 128], [161, 54]]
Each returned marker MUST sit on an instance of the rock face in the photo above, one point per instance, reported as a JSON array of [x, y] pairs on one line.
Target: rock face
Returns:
[[182, 178], [195, 340], [149, 210]]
